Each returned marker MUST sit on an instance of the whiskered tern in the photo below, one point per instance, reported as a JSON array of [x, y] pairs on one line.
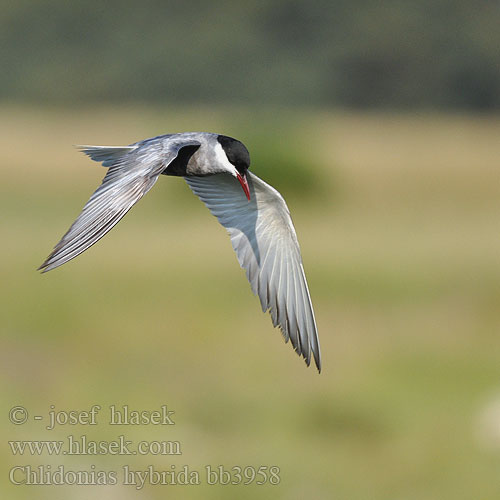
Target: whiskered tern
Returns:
[[254, 214]]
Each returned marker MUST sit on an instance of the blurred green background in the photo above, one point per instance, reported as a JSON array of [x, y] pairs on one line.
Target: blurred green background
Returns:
[[379, 124]]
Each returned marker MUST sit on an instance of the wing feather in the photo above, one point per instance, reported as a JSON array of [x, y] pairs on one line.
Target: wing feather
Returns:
[[131, 174], [264, 239]]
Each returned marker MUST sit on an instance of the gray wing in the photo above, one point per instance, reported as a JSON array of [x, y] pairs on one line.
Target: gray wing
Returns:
[[264, 239], [132, 173]]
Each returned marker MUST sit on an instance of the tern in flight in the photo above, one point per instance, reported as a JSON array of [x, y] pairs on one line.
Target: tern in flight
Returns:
[[254, 214]]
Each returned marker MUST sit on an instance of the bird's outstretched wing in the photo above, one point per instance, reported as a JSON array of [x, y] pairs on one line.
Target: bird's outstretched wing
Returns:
[[132, 173], [264, 239]]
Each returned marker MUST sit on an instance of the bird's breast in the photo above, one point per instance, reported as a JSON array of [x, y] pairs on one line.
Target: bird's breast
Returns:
[[202, 162]]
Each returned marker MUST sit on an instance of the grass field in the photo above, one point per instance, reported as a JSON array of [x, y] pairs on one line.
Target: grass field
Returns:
[[399, 223]]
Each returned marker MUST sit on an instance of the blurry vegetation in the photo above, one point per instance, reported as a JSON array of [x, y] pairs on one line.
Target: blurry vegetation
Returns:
[[404, 275], [282, 160], [434, 54]]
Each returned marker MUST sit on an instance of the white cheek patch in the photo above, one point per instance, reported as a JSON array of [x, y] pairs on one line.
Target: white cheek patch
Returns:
[[221, 157]]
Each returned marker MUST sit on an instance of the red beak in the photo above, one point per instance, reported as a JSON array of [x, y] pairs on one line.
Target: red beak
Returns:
[[244, 184]]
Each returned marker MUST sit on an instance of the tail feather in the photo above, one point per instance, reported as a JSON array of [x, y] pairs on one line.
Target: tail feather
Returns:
[[107, 155]]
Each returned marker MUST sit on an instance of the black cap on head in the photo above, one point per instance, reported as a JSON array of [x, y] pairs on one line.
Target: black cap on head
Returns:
[[236, 153]]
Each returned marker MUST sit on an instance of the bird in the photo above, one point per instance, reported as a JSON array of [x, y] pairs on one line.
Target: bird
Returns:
[[216, 168]]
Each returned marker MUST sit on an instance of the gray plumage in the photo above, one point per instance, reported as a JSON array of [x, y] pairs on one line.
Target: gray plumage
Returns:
[[264, 239], [216, 169]]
